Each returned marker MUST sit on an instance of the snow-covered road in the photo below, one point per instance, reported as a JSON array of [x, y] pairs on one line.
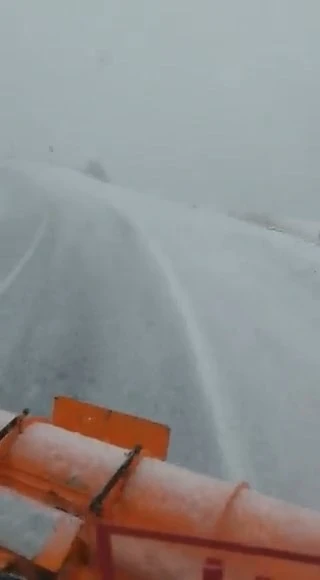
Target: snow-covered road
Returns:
[[177, 313], [89, 314]]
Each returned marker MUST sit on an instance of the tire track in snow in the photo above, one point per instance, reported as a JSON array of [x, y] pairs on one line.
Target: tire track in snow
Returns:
[[174, 375], [16, 271], [230, 462]]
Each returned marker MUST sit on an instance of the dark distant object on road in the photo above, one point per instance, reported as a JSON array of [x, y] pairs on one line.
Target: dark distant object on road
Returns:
[[96, 170]]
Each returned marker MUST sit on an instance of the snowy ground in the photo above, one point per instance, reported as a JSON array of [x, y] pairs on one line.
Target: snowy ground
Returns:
[[307, 230], [203, 321]]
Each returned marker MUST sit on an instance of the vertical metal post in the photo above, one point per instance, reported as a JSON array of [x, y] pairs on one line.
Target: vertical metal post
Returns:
[[104, 552], [212, 570]]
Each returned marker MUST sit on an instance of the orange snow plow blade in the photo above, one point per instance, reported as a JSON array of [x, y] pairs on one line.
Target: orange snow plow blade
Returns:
[[111, 426], [78, 507]]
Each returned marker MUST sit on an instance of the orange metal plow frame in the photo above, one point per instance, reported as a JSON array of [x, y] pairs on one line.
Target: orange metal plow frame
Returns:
[[139, 517], [212, 569]]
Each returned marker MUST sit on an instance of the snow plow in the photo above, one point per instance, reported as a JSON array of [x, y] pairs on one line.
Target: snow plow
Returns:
[[87, 494]]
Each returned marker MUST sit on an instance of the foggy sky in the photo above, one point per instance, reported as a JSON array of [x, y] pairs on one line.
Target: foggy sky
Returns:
[[212, 101]]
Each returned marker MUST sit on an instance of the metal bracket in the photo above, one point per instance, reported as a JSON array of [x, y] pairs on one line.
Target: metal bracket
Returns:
[[97, 502], [12, 424]]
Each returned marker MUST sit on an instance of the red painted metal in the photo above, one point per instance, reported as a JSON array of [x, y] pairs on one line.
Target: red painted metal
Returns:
[[231, 547], [104, 552], [213, 570]]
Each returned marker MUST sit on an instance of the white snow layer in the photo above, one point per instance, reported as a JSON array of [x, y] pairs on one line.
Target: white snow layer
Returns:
[[5, 418], [307, 230], [26, 525], [156, 487], [250, 302]]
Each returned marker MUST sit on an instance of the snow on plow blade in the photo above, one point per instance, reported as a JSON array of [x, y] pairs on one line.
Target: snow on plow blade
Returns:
[[75, 506]]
